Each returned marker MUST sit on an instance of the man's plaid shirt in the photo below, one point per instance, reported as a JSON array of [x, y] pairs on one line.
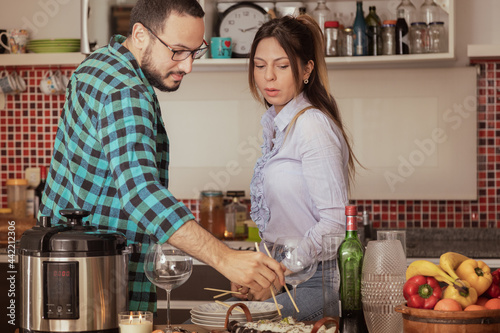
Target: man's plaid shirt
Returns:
[[111, 158]]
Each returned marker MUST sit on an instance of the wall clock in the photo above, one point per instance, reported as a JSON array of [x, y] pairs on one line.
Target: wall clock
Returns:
[[241, 22]]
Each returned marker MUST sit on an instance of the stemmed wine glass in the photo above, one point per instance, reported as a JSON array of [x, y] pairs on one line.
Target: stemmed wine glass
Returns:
[[167, 267], [299, 256]]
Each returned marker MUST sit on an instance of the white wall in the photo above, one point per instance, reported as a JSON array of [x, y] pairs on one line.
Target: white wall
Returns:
[[216, 136], [476, 20]]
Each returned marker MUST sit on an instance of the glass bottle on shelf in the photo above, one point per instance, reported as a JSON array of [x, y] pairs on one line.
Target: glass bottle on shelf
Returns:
[[359, 31], [236, 215], [402, 38], [410, 11], [350, 263], [373, 32], [429, 11], [321, 14], [347, 42]]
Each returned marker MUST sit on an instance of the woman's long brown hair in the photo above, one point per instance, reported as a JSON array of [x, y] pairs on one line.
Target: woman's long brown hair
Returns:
[[302, 40]]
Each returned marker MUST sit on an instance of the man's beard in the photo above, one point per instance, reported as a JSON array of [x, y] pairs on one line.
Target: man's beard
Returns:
[[154, 77]]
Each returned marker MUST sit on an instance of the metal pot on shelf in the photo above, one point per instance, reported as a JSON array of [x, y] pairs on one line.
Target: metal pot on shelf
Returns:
[[74, 278]]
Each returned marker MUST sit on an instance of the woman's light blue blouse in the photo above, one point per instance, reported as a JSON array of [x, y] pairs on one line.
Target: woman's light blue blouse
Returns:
[[299, 186]]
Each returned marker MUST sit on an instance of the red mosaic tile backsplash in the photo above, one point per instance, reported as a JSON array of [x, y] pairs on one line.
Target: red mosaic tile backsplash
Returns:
[[28, 123]]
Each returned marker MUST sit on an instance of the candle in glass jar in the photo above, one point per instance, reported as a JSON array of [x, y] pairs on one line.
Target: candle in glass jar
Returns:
[[136, 322]]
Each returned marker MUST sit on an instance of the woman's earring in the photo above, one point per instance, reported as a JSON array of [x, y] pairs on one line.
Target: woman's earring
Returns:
[[306, 81]]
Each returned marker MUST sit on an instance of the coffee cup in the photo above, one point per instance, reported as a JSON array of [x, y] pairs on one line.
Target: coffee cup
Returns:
[[221, 47], [50, 84], [17, 40], [8, 83], [20, 83], [62, 80], [4, 40]]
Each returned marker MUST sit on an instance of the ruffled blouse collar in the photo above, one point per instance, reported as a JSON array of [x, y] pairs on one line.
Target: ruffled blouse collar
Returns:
[[274, 129]]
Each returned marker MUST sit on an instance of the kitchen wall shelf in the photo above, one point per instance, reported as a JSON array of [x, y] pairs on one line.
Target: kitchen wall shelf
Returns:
[[483, 51], [384, 7], [209, 64], [409, 60], [71, 58]]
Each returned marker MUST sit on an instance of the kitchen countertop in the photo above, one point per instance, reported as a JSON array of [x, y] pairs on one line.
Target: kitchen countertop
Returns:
[[477, 243]]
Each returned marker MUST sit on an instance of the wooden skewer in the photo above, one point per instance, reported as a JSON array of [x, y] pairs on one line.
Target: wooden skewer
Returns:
[[220, 295], [286, 288], [228, 306], [223, 291], [270, 288]]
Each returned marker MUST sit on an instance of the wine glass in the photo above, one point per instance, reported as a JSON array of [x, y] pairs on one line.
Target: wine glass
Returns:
[[299, 256], [167, 267]]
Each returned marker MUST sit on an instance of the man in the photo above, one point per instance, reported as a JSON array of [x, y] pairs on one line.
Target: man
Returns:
[[111, 149]]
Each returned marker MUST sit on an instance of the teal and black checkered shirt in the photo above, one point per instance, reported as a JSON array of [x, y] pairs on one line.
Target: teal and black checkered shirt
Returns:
[[111, 157]]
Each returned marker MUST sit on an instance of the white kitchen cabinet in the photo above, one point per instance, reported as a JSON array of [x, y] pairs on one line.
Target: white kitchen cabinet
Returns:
[[385, 8]]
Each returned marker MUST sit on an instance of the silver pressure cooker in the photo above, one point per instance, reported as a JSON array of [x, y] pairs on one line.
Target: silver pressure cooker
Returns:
[[74, 278]]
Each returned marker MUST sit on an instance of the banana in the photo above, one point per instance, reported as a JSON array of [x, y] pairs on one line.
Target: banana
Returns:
[[450, 261], [427, 268]]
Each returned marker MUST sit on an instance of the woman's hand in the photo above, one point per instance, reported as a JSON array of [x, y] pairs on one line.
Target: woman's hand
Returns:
[[259, 295]]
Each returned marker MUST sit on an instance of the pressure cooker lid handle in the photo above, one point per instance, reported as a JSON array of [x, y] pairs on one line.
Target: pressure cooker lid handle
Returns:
[[74, 216]]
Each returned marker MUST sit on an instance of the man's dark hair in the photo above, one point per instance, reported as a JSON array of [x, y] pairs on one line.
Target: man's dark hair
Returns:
[[154, 13]]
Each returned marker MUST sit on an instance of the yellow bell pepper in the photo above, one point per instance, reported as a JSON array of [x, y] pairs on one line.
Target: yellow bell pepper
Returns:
[[465, 295], [477, 273]]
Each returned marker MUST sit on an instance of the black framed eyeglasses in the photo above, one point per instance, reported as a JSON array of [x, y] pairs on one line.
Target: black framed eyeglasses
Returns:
[[180, 55]]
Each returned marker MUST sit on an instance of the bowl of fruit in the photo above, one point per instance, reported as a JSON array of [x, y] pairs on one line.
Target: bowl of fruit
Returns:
[[458, 295]]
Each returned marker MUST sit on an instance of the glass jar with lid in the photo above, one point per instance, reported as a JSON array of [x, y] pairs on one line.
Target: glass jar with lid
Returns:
[[212, 213], [389, 37], [418, 38], [438, 42], [16, 196], [331, 38]]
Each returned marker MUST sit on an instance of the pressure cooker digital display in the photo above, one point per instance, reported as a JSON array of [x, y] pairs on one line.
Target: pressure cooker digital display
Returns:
[[60, 292]]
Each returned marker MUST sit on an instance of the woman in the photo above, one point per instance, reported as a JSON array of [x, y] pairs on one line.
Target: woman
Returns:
[[300, 183]]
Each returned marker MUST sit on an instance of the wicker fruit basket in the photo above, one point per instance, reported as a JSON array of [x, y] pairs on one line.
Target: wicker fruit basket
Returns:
[[430, 321]]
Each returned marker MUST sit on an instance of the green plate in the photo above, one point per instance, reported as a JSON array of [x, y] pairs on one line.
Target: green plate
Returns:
[[74, 40], [55, 49]]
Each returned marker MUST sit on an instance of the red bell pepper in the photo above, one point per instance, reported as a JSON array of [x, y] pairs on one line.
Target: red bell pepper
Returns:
[[494, 289], [422, 292]]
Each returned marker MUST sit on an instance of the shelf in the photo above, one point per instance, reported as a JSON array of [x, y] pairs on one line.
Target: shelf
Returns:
[[207, 64], [73, 58], [483, 51]]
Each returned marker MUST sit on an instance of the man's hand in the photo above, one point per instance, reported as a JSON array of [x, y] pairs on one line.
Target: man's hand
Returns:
[[242, 291], [250, 269]]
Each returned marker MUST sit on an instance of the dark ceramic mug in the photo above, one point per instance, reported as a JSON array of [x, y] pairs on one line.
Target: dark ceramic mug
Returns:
[[5, 40]]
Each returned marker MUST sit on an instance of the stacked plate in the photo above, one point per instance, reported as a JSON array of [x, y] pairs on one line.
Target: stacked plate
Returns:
[[212, 316], [54, 45]]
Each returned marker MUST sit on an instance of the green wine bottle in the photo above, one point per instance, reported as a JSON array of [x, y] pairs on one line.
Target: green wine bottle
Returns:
[[374, 32], [350, 261]]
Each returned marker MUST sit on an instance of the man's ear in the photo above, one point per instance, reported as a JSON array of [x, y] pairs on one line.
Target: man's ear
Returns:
[[140, 36]]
